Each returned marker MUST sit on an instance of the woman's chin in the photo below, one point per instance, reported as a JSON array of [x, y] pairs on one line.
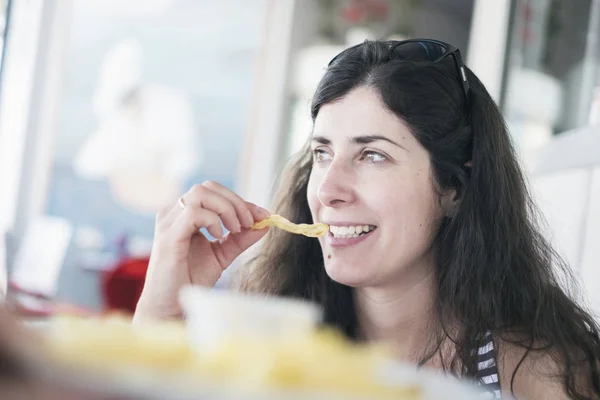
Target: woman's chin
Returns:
[[347, 275]]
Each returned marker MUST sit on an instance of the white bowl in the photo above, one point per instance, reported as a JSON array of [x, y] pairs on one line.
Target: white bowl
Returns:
[[216, 314]]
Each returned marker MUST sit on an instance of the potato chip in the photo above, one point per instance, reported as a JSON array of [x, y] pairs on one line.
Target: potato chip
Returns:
[[310, 230]]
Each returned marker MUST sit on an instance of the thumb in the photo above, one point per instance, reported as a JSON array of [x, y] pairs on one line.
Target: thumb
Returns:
[[234, 244]]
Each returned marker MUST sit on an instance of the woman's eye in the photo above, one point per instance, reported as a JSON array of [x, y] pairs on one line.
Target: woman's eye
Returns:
[[373, 156], [320, 155]]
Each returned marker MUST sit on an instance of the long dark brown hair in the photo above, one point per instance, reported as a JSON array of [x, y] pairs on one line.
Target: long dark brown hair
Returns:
[[495, 271]]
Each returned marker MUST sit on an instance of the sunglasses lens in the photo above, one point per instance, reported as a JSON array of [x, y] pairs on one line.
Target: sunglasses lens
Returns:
[[419, 51]]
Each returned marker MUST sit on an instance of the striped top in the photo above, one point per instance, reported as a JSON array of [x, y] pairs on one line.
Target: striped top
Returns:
[[487, 370]]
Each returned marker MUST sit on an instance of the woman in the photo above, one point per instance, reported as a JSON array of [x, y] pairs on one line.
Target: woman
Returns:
[[433, 244]]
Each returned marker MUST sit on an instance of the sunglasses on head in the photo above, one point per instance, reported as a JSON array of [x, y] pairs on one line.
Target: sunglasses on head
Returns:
[[422, 50]]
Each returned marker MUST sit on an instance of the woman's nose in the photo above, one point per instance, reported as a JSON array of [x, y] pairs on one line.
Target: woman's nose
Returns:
[[337, 186]]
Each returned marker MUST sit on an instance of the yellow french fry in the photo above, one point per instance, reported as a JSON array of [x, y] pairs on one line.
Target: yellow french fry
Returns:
[[310, 230]]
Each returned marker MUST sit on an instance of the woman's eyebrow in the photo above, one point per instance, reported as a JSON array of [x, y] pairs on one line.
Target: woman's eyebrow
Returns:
[[363, 139]]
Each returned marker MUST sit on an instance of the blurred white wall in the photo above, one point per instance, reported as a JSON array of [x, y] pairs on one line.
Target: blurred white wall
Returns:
[[565, 177]]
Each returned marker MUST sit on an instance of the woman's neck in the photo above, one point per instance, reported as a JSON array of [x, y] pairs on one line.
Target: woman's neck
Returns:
[[401, 315]]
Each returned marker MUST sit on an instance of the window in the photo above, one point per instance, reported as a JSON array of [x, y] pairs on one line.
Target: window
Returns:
[[553, 76], [154, 99]]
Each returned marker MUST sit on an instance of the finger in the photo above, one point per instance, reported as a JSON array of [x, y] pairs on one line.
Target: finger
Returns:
[[202, 197], [192, 219], [244, 214], [233, 244], [168, 213], [258, 213]]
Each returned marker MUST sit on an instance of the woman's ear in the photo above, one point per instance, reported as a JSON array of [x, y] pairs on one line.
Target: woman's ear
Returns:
[[449, 201]]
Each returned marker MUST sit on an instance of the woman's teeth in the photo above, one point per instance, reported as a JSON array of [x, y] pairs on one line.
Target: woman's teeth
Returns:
[[350, 231]]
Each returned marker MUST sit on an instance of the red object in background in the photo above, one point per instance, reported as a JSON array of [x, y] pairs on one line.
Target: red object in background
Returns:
[[122, 286], [352, 14], [358, 10]]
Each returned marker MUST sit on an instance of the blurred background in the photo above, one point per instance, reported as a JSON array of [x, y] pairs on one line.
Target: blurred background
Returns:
[[110, 109]]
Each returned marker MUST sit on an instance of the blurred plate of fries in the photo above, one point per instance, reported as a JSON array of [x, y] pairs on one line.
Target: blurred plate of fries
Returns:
[[161, 360]]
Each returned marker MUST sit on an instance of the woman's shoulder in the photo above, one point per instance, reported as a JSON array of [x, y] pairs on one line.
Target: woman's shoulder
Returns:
[[536, 374]]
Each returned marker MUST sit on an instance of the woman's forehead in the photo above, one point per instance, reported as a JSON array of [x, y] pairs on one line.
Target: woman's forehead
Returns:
[[360, 112]]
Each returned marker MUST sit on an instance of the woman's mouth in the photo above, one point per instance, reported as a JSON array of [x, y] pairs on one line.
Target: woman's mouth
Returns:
[[348, 235], [352, 231]]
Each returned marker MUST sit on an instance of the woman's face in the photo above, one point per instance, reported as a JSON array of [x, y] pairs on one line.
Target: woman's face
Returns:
[[371, 181]]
